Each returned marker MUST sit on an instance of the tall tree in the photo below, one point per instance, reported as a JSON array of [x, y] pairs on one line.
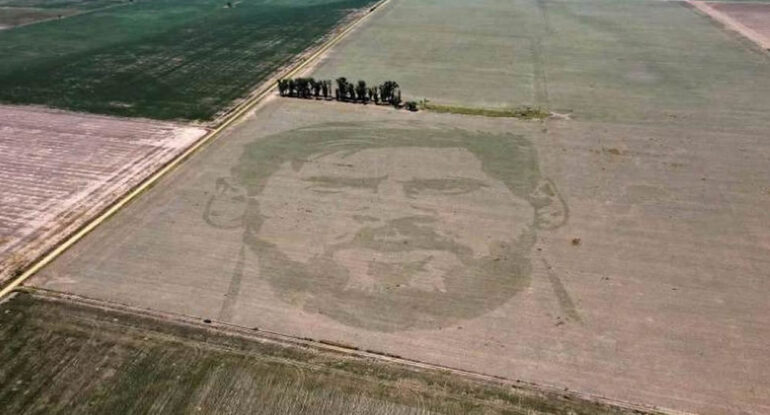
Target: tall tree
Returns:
[[316, 87], [342, 85], [291, 87], [361, 91], [388, 91], [351, 92], [396, 101]]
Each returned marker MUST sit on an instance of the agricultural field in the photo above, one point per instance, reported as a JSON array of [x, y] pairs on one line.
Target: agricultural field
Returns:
[[21, 12], [667, 64], [749, 19], [16, 16], [588, 248], [84, 5], [618, 249], [57, 170], [62, 357], [483, 53], [162, 59]]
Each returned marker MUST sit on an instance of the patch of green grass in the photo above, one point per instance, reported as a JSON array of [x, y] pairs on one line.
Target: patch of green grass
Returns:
[[526, 112], [163, 59]]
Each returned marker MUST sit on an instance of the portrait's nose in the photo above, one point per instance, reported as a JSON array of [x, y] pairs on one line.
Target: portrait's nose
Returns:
[[391, 190], [393, 201]]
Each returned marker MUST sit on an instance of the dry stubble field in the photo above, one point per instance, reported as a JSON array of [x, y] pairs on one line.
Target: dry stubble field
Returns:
[[622, 252], [655, 302], [58, 169], [65, 356]]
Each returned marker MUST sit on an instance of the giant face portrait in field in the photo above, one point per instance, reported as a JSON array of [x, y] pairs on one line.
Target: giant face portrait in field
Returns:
[[389, 228]]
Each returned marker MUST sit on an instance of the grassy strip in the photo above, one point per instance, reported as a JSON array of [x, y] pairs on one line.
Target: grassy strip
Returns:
[[526, 113]]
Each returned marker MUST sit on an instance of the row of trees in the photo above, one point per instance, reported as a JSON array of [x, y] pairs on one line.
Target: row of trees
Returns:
[[386, 93], [304, 88]]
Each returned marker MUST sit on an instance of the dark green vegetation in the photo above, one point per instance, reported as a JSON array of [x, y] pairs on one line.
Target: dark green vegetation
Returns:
[[62, 357], [386, 93], [164, 59]]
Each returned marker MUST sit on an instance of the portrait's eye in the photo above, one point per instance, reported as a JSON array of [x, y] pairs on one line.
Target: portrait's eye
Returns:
[[450, 186], [337, 184]]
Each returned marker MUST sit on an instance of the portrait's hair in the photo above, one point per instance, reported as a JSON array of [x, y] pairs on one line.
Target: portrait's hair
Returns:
[[507, 157]]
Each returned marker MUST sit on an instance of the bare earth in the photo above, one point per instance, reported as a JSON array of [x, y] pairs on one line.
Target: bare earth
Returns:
[[58, 169], [752, 20]]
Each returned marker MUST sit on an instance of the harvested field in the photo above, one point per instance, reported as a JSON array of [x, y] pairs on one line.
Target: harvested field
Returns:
[[749, 19], [161, 59], [421, 45], [57, 170], [604, 60], [267, 229], [62, 358]]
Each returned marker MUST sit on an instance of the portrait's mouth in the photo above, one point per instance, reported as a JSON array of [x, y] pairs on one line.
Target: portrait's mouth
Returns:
[[404, 235], [375, 271]]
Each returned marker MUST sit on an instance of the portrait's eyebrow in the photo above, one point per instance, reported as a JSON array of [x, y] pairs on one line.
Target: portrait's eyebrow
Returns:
[[337, 182], [448, 186]]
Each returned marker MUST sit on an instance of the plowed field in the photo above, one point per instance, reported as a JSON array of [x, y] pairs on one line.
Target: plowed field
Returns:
[[58, 169]]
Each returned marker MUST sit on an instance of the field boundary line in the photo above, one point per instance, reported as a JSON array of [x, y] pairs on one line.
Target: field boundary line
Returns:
[[328, 346], [243, 109], [82, 13], [731, 23]]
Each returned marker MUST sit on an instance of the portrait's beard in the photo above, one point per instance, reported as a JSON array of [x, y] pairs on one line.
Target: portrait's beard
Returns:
[[401, 275], [406, 253]]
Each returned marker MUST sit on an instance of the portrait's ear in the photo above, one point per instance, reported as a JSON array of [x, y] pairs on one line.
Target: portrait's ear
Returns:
[[550, 208], [226, 207]]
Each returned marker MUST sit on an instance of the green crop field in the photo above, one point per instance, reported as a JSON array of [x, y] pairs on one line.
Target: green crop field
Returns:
[[163, 59], [61, 4], [61, 357]]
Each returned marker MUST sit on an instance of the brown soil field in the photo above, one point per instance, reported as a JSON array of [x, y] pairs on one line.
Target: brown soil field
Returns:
[[751, 20], [58, 169]]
